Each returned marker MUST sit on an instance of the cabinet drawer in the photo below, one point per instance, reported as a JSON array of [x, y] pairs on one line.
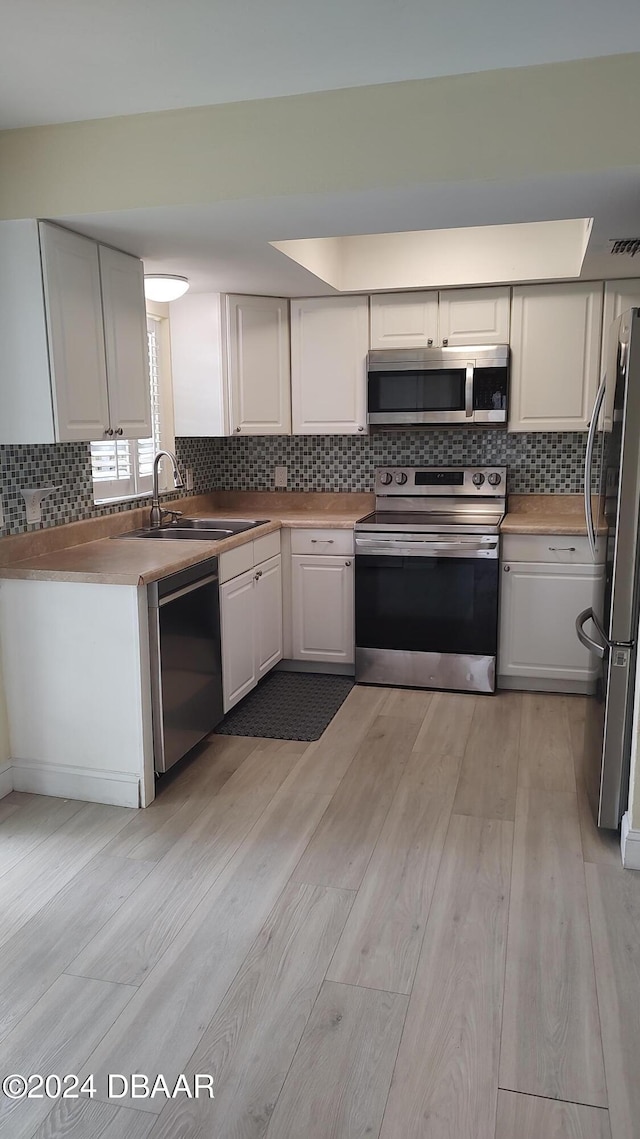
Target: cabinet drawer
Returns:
[[245, 557], [333, 542], [567, 549], [266, 547], [236, 561]]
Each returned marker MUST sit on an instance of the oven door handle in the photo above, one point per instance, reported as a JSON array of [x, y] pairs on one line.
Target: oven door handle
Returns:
[[399, 546]]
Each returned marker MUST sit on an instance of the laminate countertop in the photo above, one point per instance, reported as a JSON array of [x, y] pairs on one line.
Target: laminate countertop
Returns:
[[139, 561], [547, 514], [91, 554]]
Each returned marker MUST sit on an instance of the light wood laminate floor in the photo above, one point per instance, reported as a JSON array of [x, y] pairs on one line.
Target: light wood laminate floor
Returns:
[[409, 929]]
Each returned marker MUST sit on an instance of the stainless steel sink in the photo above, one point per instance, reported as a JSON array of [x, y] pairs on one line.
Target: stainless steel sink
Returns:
[[195, 529], [175, 533], [234, 525]]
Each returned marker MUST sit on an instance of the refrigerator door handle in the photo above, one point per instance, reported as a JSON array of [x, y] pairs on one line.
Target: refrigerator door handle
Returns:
[[598, 649], [588, 461]]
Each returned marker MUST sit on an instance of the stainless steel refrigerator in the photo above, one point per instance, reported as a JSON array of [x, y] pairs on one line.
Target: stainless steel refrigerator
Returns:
[[612, 484]]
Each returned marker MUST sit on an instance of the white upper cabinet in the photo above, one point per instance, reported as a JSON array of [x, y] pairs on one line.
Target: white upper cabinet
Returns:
[[125, 336], [259, 367], [618, 297], [432, 319], [474, 316], [555, 356], [72, 341], [71, 271], [404, 320], [329, 342], [230, 365], [198, 365]]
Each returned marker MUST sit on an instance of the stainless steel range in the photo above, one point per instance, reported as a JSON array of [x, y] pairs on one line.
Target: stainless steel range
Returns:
[[427, 578]]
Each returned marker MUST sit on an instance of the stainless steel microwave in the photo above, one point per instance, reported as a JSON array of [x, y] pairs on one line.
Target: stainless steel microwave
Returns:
[[438, 385]]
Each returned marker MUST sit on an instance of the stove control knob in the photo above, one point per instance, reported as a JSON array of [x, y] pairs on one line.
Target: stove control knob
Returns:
[[386, 477], [401, 478], [494, 479], [478, 479]]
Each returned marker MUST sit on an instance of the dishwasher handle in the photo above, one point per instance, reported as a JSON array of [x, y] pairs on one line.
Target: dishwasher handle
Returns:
[[169, 597], [177, 584]]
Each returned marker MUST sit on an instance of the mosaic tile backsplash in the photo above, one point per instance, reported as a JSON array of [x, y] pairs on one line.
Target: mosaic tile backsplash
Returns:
[[538, 462], [67, 466]]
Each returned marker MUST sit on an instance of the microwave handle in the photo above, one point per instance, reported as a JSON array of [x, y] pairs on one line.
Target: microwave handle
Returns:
[[468, 390]]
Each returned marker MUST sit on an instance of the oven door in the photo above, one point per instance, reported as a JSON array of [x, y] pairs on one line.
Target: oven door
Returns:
[[427, 611]]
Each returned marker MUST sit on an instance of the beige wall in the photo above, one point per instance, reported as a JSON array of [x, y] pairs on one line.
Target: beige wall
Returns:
[[577, 116]]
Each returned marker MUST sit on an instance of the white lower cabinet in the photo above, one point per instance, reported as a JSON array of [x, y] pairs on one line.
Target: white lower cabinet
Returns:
[[539, 601], [238, 631], [268, 615], [251, 628], [322, 608]]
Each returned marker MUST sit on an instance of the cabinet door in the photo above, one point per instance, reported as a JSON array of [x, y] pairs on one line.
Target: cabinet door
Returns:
[[538, 608], [555, 357], [71, 273], [259, 365], [404, 320], [329, 341], [474, 316], [125, 335], [200, 396], [322, 619], [268, 614], [618, 297], [237, 617]]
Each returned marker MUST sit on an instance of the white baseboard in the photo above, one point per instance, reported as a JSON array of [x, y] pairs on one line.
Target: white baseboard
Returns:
[[540, 684], [630, 845], [6, 780], [111, 787]]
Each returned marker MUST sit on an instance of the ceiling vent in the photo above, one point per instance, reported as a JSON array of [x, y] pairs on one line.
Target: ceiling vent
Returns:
[[628, 245]]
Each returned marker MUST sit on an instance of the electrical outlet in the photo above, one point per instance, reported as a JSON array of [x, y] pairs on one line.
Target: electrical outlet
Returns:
[[188, 478], [280, 478]]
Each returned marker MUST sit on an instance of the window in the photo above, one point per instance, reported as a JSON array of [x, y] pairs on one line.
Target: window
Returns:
[[123, 468]]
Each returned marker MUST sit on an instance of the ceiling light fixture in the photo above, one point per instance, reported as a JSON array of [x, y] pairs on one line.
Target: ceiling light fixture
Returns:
[[164, 286]]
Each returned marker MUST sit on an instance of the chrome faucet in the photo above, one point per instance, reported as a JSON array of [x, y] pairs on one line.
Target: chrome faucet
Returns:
[[157, 512]]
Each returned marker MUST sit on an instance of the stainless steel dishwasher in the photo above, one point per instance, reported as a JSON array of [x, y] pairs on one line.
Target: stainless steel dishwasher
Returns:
[[186, 662]]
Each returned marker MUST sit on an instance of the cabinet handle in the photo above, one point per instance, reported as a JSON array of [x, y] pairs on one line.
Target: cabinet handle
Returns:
[[322, 541], [563, 549], [445, 341], [361, 429], [237, 428], [430, 342], [507, 569], [119, 431], [347, 563], [108, 430], [257, 576]]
